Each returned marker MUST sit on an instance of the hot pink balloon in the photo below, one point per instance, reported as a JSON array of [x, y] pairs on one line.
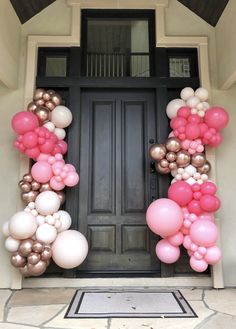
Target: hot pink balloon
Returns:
[[181, 193], [198, 265], [24, 121], [213, 255], [41, 171], [204, 233], [166, 252], [208, 188], [55, 185], [72, 179], [178, 122], [194, 207], [176, 239], [184, 112], [63, 146], [209, 203], [30, 139], [216, 117], [33, 153], [47, 146], [164, 217], [192, 131]]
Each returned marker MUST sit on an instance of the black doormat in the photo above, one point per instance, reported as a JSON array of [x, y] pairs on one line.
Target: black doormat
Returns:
[[129, 303]]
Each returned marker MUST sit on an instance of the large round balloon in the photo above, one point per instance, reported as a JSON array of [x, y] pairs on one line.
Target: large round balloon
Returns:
[[173, 106], [61, 116], [22, 225], [24, 121], [216, 117], [47, 203], [69, 249], [181, 193], [42, 171], [166, 252], [164, 217], [203, 232]]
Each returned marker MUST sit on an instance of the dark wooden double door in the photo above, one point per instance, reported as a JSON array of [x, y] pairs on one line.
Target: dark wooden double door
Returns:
[[116, 183]]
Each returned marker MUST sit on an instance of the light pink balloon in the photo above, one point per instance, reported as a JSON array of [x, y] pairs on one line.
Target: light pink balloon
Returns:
[[72, 179], [166, 252], [41, 171], [176, 239], [213, 255], [207, 216], [204, 233], [43, 157], [56, 185], [187, 242], [198, 265], [164, 217]]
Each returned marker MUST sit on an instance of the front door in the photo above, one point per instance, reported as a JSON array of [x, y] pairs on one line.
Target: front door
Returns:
[[116, 183]]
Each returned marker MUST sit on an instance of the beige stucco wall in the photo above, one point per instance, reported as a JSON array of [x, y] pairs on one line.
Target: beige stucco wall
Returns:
[[55, 20]]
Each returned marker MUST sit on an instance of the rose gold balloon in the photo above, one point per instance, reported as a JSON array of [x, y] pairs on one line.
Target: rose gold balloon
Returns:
[[25, 247], [24, 271], [198, 159], [164, 163], [183, 159], [173, 166], [37, 269], [25, 187], [33, 258], [50, 105], [29, 197], [20, 183], [62, 196], [46, 96], [38, 94], [173, 144], [28, 178], [46, 254], [43, 114], [56, 99], [39, 102], [35, 186], [157, 151], [17, 260], [205, 169], [45, 187], [160, 169], [31, 107], [51, 92], [37, 247], [171, 156]]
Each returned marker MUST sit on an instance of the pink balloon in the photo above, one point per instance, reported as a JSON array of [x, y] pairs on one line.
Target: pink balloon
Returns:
[[47, 146], [203, 128], [192, 131], [164, 217], [209, 203], [207, 216], [176, 239], [216, 117], [213, 255], [204, 233], [178, 122], [208, 188], [166, 252], [194, 207], [30, 139], [63, 146], [24, 121], [181, 193], [187, 242], [43, 157], [55, 185], [72, 179], [41, 171], [184, 112], [33, 153], [198, 265], [194, 118]]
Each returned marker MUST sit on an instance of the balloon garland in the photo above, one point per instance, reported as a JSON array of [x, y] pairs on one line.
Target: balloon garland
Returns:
[[187, 215], [41, 231]]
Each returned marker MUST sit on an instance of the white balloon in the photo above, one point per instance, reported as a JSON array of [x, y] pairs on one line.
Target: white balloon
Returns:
[[186, 93], [202, 94], [50, 126], [47, 203], [60, 133], [69, 249], [191, 181], [46, 233], [201, 113], [12, 244], [22, 225], [65, 220], [40, 220], [185, 176], [173, 106], [206, 106], [5, 229], [61, 116], [191, 170], [193, 101]]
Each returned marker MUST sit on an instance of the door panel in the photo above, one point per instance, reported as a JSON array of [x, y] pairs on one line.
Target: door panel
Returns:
[[115, 180]]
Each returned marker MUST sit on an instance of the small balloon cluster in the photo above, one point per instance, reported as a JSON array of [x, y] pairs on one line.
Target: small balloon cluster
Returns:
[[41, 231], [187, 215]]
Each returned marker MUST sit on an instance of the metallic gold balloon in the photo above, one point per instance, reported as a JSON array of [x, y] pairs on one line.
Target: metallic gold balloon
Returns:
[[46, 254], [157, 151], [205, 169], [171, 156], [33, 258], [27, 178], [164, 163], [39, 102], [25, 187], [173, 144], [45, 187], [29, 196], [37, 247], [38, 94], [198, 159], [56, 99], [51, 92], [17, 260], [24, 271], [46, 96], [62, 196], [35, 186], [160, 169], [37, 269], [173, 166], [31, 107], [43, 114], [50, 105], [182, 159], [21, 182], [25, 247]]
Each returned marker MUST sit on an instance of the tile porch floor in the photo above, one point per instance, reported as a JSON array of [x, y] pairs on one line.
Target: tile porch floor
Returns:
[[45, 309]]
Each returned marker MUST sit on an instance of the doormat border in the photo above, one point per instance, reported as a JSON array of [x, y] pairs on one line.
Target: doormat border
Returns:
[[188, 311]]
